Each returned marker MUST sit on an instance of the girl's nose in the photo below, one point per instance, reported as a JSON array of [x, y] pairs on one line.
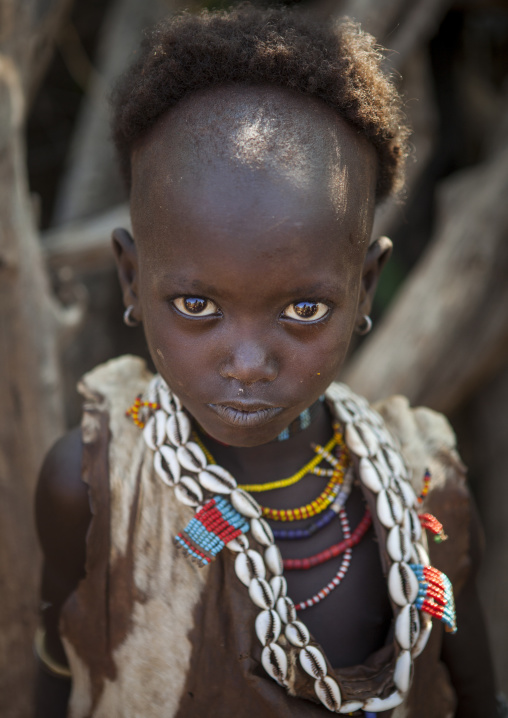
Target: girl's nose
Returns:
[[249, 362]]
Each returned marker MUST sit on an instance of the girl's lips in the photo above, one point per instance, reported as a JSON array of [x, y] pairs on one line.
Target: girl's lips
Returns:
[[246, 417]]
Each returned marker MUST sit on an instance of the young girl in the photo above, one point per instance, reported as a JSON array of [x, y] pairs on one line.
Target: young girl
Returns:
[[238, 535]]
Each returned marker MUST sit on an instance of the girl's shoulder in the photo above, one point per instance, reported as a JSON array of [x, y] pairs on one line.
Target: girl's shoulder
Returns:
[[62, 505]]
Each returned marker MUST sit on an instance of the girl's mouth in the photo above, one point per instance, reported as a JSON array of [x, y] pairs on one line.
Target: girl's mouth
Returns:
[[246, 414]]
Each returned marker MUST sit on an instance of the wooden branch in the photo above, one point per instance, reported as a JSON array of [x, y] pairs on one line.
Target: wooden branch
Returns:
[[415, 27], [84, 245], [447, 332], [401, 26], [489, 427], [422, 113], [92, 182], [32, 413]]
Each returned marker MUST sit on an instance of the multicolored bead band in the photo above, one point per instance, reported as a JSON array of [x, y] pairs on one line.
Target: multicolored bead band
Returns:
[[426, 486], [211, 528], [435, 595]]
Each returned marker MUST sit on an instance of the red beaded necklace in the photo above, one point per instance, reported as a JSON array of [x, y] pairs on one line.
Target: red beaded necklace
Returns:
[[293, 564]]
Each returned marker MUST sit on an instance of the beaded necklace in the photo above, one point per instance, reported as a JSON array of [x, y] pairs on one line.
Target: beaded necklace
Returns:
[[313, 508], [339, 576], [212, 492], [301, 422], [322, 521], [309, 467], [350, 540]]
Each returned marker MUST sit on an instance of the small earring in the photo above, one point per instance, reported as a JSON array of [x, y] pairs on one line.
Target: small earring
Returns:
[[365, 326], [128, 318]]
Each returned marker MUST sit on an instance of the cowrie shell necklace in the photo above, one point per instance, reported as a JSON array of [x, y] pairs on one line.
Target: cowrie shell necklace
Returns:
[[181, 464]]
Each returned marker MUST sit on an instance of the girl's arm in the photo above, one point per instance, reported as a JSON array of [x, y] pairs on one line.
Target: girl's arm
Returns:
[[63, 516], [467, 652]]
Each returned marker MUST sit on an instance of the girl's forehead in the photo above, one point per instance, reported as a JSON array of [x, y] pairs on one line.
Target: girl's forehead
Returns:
[[243, 157]]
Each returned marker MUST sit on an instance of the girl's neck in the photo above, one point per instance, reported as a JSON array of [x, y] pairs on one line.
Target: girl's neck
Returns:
[[277, 459]]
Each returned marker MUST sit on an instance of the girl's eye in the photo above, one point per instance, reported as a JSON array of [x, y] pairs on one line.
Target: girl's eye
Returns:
[[196, 306], [306, 311]]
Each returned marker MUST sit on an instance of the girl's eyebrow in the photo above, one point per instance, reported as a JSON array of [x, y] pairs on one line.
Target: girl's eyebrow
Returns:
[[187, 284]]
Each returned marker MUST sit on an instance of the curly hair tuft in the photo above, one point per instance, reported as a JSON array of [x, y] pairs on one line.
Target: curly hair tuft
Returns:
[[339, 63]]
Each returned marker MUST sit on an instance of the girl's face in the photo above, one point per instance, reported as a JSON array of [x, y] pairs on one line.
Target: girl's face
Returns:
[[249, 282]]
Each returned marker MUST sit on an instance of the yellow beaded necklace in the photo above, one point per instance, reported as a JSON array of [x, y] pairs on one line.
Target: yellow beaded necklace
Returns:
[[322, 501], [309, 468]]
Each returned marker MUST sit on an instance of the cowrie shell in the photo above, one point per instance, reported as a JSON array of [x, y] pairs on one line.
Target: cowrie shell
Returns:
[[191, 457], [273, 560], [188, 491], [389, 508], [165, 398], [337, 392], [178, 428], [261, 593], [419, 555], [425, 632], [402, 672], [351, 707], [402, 584], [245, 504], [166, 465], [216, 482], [407, 626], [279, 587], [381, 464], [405, 491], [372, 477], [398, 544], [361, 439], [275, 662], [154, 432], [286, 609], [261, 531], [395, 462], [383, 439], [328, 693], [412, 525], [268, 627], [297, 634], [248, 565], [376, 420], [343, 413], [152, 394], [240, 543], [313, 662], [376, 705]]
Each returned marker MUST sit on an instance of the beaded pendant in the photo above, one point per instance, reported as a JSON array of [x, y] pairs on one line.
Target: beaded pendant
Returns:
[[211, 528], [435, 595]]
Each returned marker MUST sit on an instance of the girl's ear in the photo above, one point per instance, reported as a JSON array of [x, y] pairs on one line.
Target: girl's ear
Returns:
[[127, 265], [377, 255]]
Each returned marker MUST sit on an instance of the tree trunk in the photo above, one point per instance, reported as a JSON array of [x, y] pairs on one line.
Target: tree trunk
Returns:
[[29, 377], [490, 427], [446, 333]]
